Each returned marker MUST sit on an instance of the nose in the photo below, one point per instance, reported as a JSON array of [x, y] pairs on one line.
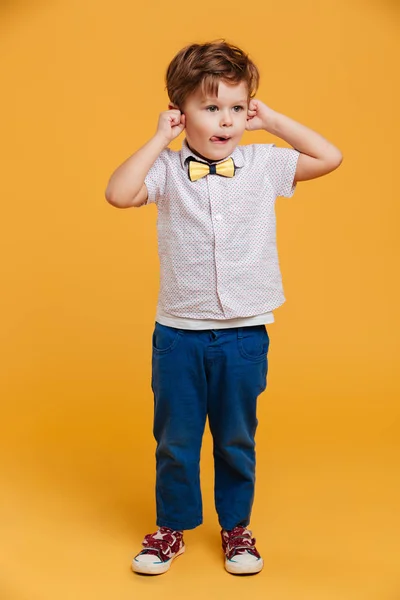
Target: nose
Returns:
[[226, 118]]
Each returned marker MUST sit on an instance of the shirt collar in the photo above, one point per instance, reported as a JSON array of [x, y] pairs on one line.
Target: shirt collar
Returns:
[[186, 152]]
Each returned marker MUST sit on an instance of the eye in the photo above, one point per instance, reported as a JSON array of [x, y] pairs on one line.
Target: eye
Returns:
[[238, 108], [212, 108]]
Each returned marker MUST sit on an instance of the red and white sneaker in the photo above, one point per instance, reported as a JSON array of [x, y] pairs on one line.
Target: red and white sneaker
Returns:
[[241, 556], [159, 550]]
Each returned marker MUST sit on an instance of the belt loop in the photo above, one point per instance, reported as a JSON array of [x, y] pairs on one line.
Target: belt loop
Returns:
[[240, 332]]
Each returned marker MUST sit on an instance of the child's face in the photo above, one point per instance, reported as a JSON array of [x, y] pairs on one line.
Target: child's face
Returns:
[[214, 125]]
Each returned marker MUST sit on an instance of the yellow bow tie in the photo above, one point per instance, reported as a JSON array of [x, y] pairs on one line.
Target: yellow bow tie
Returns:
[[197, 170]]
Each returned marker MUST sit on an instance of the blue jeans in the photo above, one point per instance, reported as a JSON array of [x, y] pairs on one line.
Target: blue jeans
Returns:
[[217, 373]]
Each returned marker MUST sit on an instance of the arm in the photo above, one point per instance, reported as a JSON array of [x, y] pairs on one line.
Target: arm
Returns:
[[317, 156], [126, 186]]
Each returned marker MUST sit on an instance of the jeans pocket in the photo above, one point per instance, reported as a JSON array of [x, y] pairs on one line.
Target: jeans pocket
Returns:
[[165, 338], [253, 342]]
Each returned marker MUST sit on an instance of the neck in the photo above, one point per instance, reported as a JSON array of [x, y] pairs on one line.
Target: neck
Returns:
[[209, 160]]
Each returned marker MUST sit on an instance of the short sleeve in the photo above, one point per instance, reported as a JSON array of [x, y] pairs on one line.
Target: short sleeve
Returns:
[[156, 178], [281, 164]]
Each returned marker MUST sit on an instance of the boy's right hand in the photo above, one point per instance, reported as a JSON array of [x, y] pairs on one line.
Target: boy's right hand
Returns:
[[170, 124]]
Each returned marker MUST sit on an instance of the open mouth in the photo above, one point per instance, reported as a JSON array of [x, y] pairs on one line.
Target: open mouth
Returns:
[[219, 139]]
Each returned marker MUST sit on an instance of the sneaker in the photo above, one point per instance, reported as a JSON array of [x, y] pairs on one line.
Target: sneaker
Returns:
[[241, 554], [159, 550]]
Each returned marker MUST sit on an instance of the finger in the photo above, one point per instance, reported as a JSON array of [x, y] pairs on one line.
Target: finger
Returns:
[[173, 113], [253, 104], [178, 125]]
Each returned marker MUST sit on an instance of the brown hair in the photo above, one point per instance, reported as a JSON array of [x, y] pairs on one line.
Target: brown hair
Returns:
[[204, 65]]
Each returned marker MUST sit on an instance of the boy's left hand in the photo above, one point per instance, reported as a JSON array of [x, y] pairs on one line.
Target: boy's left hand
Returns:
[[259, 116]]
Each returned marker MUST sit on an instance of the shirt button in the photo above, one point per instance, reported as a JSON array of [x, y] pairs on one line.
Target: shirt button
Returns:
[[218, 217]]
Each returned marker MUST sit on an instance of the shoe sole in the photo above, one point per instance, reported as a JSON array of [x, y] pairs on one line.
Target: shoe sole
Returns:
[[152, 569], [238, 569]]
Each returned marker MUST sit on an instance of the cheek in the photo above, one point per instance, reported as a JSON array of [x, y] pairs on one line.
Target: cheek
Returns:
[[197, 127], [242, 124]]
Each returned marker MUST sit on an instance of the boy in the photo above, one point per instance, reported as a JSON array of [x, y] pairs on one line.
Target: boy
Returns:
[[219, 283]]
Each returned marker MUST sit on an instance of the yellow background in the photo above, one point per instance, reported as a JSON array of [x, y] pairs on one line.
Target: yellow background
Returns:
[[82, 87]]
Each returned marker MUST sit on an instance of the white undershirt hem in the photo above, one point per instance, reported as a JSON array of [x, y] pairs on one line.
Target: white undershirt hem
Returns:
[[186, 323]]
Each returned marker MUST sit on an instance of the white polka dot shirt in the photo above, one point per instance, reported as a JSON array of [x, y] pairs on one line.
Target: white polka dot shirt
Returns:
[[219, 263]]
